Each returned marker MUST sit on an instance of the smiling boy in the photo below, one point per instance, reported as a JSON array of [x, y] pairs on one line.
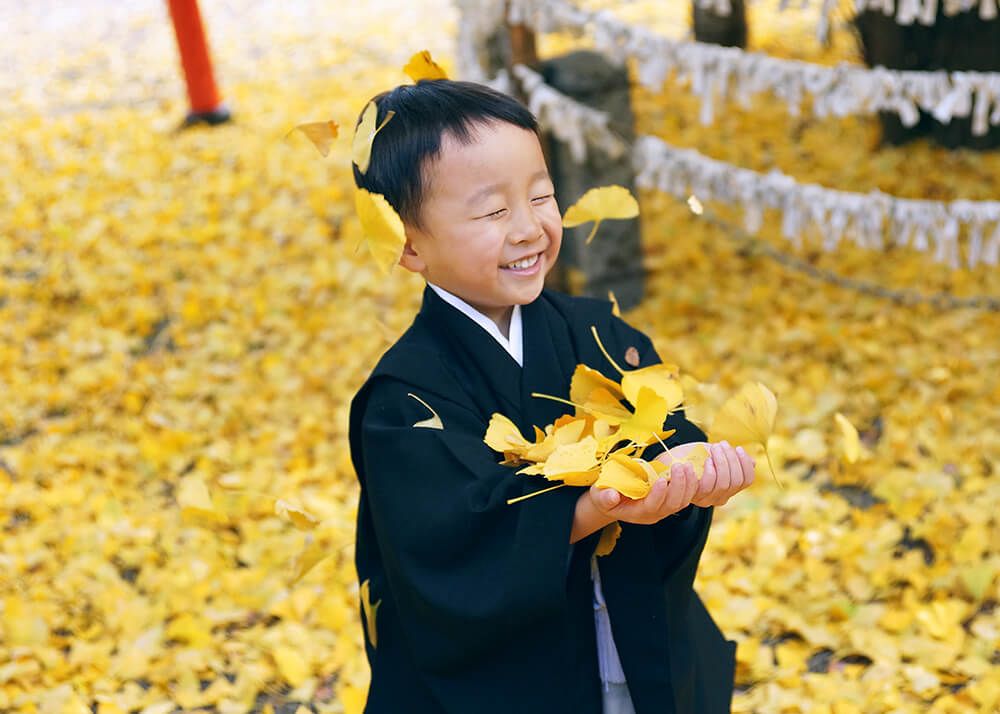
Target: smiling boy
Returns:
[[484, 606]]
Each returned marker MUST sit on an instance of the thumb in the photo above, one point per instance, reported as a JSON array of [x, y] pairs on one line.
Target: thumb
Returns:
[[609, 497]]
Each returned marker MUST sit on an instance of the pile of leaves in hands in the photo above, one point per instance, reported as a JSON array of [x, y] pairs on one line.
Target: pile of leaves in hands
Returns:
[[601, 444]]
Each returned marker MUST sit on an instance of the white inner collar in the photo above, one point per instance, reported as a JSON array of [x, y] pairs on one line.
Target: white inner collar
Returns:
[[514, 345]]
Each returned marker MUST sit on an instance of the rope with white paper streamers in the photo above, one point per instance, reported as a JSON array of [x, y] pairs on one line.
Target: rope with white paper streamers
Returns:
[[719, 73], [836, 215], [906, 12]]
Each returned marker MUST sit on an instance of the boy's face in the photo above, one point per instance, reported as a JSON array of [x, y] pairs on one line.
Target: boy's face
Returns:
[[491, 227]]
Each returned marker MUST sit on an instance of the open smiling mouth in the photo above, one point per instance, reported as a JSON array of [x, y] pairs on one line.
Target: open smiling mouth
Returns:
[[523, 265]]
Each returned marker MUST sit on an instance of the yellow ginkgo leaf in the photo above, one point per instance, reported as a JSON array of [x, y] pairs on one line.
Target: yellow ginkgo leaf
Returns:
[[747, 418], [573, 459], [295, 514], [565, 430], [196, 503], [609, 538], [615, 308], [585, 380], [364, 135], [502, 435], [422, 66], [308, 559], [624, 474], [599, 204], [663, 379], [433, 422], [382, 227], [320, 133], [646, 423], [695, 454], [851, 440], [370, 609]]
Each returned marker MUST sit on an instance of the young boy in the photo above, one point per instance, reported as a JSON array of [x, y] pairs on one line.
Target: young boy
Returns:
[[482, 606]]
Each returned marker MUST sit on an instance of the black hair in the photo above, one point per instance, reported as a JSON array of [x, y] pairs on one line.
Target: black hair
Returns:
[[425, 111]]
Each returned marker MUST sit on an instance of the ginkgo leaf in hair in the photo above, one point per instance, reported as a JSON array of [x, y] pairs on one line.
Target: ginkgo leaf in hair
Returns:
[[433, 422], [599, 204], [747, 418], [364, 136], [382, 228], [320, 133], [851, 442], [422, 66]]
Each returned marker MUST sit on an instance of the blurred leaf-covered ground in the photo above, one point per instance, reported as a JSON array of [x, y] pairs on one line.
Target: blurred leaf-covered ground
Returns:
[[185, 307]]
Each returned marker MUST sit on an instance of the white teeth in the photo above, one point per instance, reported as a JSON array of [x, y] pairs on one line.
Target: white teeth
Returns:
[[522, 264]]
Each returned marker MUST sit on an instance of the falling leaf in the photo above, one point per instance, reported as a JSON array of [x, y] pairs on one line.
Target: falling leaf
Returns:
[[599, 204], [615, 308], [370, 609], [382, 227], [311, 555], [747, 418], [433, 422], [364, 136], [421, 66], [609, 538], [320, 133], [851, 441], [295, 514]]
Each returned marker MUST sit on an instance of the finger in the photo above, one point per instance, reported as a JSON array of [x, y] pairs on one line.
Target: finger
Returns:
[[722, 467], [675, 492], [746, 464], [607, 498], [692, 485], [657, 496], [749, 466], [709, 478]]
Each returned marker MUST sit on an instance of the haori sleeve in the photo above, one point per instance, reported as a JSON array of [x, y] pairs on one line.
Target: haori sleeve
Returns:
[[466, 570]]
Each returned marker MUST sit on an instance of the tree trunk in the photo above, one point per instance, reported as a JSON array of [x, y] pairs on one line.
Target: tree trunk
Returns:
[[960, 42], [728, 30]]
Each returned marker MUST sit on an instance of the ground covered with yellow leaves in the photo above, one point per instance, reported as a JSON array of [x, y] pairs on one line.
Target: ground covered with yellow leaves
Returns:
[[187, 308]]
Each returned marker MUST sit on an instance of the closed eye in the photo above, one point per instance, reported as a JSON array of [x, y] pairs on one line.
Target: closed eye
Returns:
[[539, 199], [494, 214]]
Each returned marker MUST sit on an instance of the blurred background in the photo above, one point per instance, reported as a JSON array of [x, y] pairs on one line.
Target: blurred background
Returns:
[[185, 313]]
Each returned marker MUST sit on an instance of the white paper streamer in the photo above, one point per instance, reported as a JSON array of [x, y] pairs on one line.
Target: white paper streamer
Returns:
[[717, 73], [863, 219], [928, 226]]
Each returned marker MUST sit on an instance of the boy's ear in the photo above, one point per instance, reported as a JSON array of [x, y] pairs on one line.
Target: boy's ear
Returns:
[[410, 259]]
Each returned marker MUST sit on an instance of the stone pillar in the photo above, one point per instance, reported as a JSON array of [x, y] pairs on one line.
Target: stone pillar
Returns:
[[613, 260]]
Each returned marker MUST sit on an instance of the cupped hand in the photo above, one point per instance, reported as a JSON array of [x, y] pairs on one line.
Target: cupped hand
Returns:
[[727, 472], [664, 498]]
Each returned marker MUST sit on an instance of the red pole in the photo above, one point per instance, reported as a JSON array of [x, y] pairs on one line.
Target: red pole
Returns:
[[206, 105]]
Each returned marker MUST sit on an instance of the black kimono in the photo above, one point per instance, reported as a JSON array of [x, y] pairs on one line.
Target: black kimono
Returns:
[[487, 607]]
